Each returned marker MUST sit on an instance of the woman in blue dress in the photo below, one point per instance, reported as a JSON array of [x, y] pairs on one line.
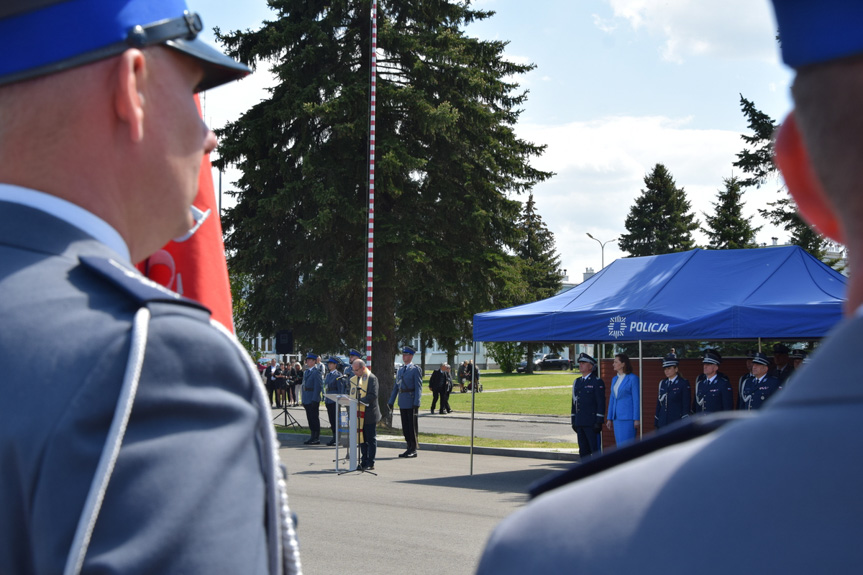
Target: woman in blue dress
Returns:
[[624, 403]]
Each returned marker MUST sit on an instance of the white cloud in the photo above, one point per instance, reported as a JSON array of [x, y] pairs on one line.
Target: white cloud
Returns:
[[600, 167], [734, 29]]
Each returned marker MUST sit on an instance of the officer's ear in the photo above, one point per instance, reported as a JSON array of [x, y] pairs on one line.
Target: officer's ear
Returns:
[[129, 92], [803, 184]]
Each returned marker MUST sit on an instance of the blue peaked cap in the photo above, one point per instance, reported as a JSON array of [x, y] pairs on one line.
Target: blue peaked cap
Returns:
[[815, 31], [41, 37]]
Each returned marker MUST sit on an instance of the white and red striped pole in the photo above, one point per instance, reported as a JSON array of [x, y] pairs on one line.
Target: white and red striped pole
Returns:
[[371, 241]]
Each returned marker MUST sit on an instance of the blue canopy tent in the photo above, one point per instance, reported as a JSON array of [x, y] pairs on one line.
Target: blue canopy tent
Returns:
[[776, 293]]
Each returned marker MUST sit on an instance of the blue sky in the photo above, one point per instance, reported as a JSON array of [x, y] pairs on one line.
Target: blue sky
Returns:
[[619, 86]]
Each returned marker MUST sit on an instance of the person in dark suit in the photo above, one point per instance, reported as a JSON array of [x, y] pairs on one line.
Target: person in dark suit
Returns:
[[588, 407], [804, 441], [270, 382], [145, 431], [672, 403], [440, 384], [364, 386]]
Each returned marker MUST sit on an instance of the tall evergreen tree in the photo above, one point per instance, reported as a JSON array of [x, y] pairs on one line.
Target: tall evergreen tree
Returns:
[[660, 222], [727, 228], [447, 158], [757, 161], [539, 262]]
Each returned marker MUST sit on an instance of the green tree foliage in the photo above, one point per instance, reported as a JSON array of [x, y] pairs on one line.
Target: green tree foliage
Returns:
[[506, 354], [539, 263], [660, 222], [756, 160], [727, 228], [447, 161]]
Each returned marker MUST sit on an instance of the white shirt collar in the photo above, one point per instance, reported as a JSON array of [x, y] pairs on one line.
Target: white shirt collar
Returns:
[[77, 216]]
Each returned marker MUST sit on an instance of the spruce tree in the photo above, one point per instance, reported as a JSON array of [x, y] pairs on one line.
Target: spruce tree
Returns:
[[660, 222], [727, 228], [447, 161], [539, 262], [756, 160]]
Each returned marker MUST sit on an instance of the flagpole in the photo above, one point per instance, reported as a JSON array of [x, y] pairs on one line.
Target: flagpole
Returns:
[[371, 232]]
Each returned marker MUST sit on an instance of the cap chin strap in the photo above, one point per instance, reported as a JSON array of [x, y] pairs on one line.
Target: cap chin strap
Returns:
[[199, 216]]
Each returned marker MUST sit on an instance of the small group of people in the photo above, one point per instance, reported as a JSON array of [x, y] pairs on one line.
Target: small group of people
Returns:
[[440, 384], [282, 383], [467, 373], [675, 399]]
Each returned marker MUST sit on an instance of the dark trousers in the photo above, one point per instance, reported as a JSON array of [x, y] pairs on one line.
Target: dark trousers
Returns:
[[588, 441], [410, 426], [331, 414], [369, 446], [444, 401], [314, 417], [271, 392]]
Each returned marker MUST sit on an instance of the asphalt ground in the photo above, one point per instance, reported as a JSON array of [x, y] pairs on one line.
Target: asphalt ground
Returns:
[[426, 515]]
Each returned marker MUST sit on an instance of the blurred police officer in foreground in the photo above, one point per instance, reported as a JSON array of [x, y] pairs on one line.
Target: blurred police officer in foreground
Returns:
[[588, 407], [672, 403], [712, 389], [802, 518], [761, 385], [142, 442]]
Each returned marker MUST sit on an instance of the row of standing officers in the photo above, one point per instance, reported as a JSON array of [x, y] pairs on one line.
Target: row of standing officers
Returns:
[[675, 399]]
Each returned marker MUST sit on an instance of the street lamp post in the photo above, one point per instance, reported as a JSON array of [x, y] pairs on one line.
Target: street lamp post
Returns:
[[602, 247]]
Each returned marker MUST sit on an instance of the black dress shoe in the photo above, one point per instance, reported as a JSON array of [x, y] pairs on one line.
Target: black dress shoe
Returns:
[[314, 442], [308, 441], [405, 454], [331, 443], [411, 454], [368, 467]]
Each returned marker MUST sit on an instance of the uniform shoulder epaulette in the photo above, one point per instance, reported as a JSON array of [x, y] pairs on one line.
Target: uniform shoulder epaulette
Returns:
[[684, 430], [143, 290]]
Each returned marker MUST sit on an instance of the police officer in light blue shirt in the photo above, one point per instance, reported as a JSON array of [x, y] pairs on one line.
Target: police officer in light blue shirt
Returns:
[[313, 385], [335, 382], [408, 389], [349, 369], [672, 403]]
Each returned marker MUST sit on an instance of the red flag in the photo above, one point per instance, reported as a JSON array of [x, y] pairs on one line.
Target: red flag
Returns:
[[196, 268]]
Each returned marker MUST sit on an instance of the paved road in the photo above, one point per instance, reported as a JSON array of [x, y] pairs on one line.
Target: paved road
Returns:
[[546, 428], [419, 516]]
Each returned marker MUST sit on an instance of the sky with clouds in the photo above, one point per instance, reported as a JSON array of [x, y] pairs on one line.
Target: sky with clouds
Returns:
[[619, 86]]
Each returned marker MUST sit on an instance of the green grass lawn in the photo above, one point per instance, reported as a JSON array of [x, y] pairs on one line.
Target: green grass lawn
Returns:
[[520, 400]]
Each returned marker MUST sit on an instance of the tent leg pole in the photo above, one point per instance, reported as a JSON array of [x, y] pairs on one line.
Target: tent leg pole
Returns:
[[640, 391], [472, 404]]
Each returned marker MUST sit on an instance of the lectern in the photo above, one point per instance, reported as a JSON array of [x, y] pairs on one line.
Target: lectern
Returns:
[[351, 405]]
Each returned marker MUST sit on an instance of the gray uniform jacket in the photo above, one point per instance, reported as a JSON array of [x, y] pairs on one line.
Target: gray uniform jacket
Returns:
[[313, 386], [87, 343], [803, 484], [408, 388]]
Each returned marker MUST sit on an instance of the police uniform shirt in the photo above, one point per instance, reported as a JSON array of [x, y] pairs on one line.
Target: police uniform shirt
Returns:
[[408, 387], [188, 421]]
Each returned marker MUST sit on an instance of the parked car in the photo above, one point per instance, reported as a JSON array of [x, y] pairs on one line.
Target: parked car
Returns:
[[551, 361], [522, 366]]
